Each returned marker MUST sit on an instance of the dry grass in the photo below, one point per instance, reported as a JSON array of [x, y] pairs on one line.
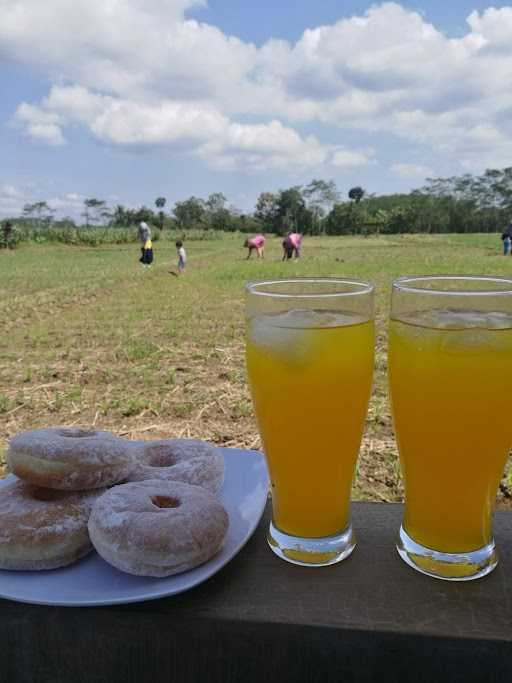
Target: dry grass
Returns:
[[87, 337]]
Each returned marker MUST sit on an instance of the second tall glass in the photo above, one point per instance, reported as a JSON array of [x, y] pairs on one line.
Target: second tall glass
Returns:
[[310, 354], [450, 365]]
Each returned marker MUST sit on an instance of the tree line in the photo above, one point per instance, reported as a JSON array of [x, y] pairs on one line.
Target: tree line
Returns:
[[466, 203]]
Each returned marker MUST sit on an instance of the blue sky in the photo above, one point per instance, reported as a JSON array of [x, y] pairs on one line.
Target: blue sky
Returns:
[[259, 21], [135, 100]]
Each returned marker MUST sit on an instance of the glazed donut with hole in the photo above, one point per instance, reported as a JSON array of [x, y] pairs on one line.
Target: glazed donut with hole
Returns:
[[43, 528], [157, 528], [70, 458], [187, 460]]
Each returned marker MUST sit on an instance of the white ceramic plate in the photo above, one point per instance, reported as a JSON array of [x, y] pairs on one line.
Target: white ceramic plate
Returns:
[[91, 581]]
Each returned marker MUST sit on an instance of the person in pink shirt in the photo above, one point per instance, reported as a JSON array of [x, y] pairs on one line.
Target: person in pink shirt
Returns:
[[255, 243], [291, 245]]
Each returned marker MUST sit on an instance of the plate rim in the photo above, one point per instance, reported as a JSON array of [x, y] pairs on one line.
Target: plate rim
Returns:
[[165, 593]]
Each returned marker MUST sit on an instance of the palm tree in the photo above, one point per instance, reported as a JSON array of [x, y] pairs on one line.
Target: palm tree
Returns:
[[356, 194], [160, 203]]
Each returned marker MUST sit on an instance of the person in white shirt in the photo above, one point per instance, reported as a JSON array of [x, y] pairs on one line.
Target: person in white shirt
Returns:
[[144, 233], [182, 256]]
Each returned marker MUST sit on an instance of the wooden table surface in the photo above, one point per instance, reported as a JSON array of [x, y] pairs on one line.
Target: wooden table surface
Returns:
[[370, 618]]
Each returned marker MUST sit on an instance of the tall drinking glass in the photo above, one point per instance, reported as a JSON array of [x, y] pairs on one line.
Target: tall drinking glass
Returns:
[[450, 372], [310, 349]]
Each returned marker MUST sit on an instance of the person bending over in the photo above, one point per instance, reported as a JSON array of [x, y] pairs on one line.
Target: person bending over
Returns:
[[255, 243]]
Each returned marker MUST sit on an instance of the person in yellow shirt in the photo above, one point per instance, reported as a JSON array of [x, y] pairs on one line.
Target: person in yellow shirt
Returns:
[[147, 253]]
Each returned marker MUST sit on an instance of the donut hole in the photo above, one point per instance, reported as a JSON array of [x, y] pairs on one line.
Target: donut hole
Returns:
[[48, 495], [165, 502], [158, 456], [77, 433]]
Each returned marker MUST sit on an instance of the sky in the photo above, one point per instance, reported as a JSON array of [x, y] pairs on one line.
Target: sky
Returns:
[[129, 100]]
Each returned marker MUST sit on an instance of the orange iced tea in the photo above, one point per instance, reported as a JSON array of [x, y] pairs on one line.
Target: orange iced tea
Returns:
[[310, 374], [450, 376]]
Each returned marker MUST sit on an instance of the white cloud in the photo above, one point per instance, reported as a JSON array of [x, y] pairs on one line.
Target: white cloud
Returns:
[[348, 159], [10, 192], [263, 146], [41, 125], [125, 122], [126, 48], [143, 72], [14, 197], [198, 127], [71, 204], [413, 171], [493, 27]]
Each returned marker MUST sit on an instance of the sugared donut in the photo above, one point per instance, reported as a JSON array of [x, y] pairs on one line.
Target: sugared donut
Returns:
[[43, 528], [157, 528], [188, 460], [70, 458]]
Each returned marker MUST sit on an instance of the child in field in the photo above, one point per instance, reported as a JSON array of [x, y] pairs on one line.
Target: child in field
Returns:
[[182, 256], [507, 243], [255, 243]]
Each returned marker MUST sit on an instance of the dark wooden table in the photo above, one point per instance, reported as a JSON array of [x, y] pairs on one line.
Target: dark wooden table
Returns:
[[371, 618]]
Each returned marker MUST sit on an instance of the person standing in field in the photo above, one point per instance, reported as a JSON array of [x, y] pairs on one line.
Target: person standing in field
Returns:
[[144, 233], [182, 256], [147, 253], [146, 245], [507, 240], [257, 243]]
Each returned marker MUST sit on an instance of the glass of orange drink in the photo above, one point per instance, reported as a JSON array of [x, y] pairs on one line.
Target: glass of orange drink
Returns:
[[310, 354], [450, 374]]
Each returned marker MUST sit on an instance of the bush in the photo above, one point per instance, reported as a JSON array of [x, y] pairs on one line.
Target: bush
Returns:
[[72, 235], [12, 241], [68, 233]]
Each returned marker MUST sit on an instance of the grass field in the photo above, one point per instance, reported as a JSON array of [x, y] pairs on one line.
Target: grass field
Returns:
[[90, 338]]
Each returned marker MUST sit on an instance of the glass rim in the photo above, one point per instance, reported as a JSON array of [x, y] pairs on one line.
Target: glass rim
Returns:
[[407, 283], [365, 287]]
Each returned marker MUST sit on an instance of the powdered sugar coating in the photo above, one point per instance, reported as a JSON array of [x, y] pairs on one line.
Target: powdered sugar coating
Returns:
[[187, 460], [156, 527], [41, 528], [70, 458]]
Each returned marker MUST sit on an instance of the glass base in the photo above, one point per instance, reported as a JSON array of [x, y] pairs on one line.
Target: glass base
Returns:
[[311, 552], [447, 566]]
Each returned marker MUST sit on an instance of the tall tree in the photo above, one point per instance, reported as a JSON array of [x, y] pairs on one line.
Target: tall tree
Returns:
[[41, 212], [215, 202], [160, 203], [217, 215], [492, 190], [190, 213], [120, 216], [143, 213], [320, 196], [267, 210], [292, 213], [95, 210], [356, 194], [346, 218]]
